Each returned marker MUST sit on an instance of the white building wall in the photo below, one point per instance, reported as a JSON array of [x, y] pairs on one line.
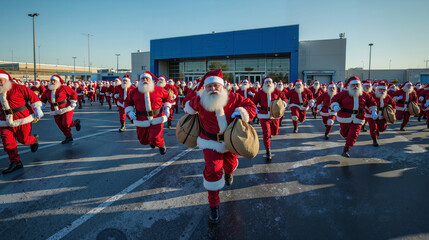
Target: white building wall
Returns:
[[140, 62]]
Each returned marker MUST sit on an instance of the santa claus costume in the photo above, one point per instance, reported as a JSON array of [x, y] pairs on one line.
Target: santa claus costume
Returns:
[[421, 93], [392, 89], [280, 86], [382, 99], [103, 89], [402, 97], [425, 103], [217, 108], [16, 116], [300, 99], [350, 106], [110, 89], [322, 103], [169, 86], [149, 115], [121, 93], [63, 101], [80, 93], [368, 88], [38, 88], [91, 92], [270, 125], [316, 90], [246, 90], [340, 86]]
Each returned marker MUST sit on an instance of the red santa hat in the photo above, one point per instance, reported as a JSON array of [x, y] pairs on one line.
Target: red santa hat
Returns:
[[418, 83], [366, 82], [316, 81], [5, 75], [170, 80], [214, 76], [267, 79], [332, 84], [149, 75], [58, 78], [118, 79], [280, 83], [382, 85], [161, 77], [298, 82], [405, 84], [126, 77], [339, 83], [352, 80], [245, 81]]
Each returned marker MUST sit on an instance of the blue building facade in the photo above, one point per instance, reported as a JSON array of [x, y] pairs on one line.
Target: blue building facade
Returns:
[[251, 54]]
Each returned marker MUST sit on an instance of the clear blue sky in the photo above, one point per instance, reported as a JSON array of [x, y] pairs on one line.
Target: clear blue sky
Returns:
[[399, 29]]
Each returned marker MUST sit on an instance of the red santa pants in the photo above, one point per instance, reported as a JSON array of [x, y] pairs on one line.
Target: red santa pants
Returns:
[[122, 115], [270, 127], [350, 131], [329, 122], [170, 118], [176, 106], [215, 162], [403, 115], [108, 101], [101, 99], [378, 125], [151, 135], [422, 111], [297, 115], [65, 123], [427, 117], [79, 100], [91, 97], [9, 135]]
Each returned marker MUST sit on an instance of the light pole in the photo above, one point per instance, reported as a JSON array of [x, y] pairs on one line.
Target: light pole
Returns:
[[74, 68], [89, 57], [34, 43], [369, 68], [39, 55], [117, 61], [426, 64]]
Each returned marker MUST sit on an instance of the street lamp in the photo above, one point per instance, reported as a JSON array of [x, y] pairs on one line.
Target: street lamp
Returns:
[[426, 64], [34, 43], [369, 68], [117, 61], [74, 68]]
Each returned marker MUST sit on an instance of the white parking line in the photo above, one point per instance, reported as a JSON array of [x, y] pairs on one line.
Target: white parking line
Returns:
[[63, 232]]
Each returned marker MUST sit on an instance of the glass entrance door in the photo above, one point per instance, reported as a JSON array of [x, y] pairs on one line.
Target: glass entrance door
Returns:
[[252, 77]]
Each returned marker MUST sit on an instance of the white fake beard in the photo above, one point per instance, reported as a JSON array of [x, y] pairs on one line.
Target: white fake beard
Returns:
[[145, 87], [280, 87], [161, 84], [190, 85], [299, 89], [37, 84], [244, 87], [392, 89], [213, 102], [183, 85], [408, 89], [236, 87], [268, 89], [332, 93], [355, 92], [172, 84], [54, 86], [381, 95], [6, 87], [125, 85], [368, 89], [316, 86]]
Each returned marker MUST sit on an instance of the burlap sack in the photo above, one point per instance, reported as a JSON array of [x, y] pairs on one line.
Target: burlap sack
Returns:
[[413, 108], [241, 138], [389, 114], [171, 93], [187, 130], [180, 91], [277, 108]]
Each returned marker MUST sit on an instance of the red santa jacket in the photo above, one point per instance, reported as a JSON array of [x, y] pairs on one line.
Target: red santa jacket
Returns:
[[17, 97], [110, 91], [381, 103], [300, 100], [352, 108], [316, 93], [121, 94], [247, 93], [216, 122], [60, 99], [40, 89], [402, 104], [172, 87], [324, 100], [103, 90], [146, 104], [80, 91], [264, 100]]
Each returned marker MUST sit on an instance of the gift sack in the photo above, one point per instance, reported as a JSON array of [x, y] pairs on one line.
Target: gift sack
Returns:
[[187, 130], [413, 108], [277, 108], [389, 114], [170, 93], [180, 91], [241, 139]]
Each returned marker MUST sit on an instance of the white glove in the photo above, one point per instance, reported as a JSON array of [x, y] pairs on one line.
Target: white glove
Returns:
[[117, 95], [174, 97], [73, 104], [336, 108], [286, 104], [398, 97], [235, 114], [167, 111], [311, 104], [426, 104], [38, 113], [374, 115], [319, 108], [421, 98], [251, 94], [132, 115]]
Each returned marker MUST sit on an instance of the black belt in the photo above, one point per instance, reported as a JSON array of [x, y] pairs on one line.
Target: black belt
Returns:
[[265, 108], [59, 103], [405, 102], [352, 111], [217, 137], [326, 107], [380, 108], [13, 110], [300, 104], [149, 113]]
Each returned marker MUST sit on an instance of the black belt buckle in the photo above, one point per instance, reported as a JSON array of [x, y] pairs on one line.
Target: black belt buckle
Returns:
[[406, 102], [8, 112], [219, 137], [355, 112], [268, 109], [150, 113]]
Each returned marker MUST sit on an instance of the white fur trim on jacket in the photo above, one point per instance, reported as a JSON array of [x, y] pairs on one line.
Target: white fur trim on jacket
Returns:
[[36, 104], [73, 101], [120, 104], [243, 113], [221, 120], [188, 109], [167, 104], [214, 186], [128, 109], [264, 116], [352, 119], [147, 123], [330, 122], [298, 106], [17, 122], [213, 145], [61, 111]]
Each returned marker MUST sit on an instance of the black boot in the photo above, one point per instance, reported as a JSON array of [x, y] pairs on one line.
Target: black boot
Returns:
[[419, 118], [177, 110], [257, 120], [346, 153], [374, 142], [152, 146], [110, 107], [326, 137], [428, 125], [214, 214], [122, 129], [315, 115], [229, 179], [169, 124], [77, 125], [402, 128], [295, 130], [280, 124], [12, 167], [80, 106], [35, 145], [268, 157], [364, 129], [132, 121], [67, 140], [162, 150]]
